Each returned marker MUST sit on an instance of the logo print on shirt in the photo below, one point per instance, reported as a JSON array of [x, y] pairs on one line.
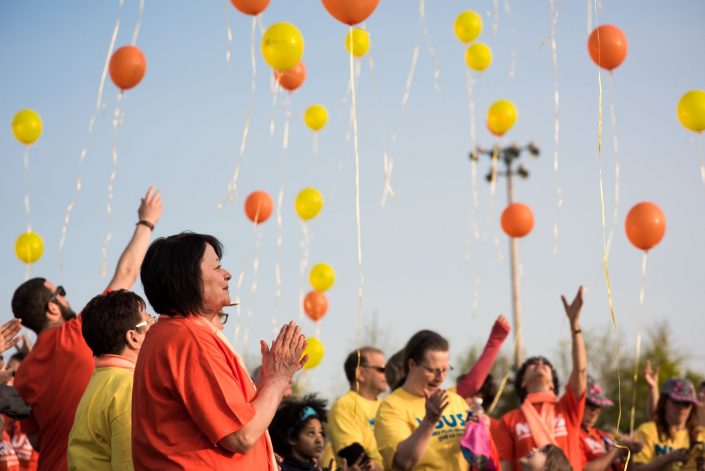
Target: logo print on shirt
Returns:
[[559, 428]]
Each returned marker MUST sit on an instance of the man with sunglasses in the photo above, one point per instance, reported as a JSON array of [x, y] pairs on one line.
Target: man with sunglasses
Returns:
[[55, 374], [352, 418]]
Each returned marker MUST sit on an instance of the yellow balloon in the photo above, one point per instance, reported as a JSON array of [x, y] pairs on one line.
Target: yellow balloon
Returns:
[[322, 277], [309, 202], [691, 110], [316, 117], [314, 349], [468, 26], [282, 46], [501, 117], [357, 42], [27, 126], [29, 247], [478, 56]]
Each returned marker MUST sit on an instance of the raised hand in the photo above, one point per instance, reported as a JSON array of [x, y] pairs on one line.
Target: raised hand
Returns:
[[151, 206], [501, 325], [435, 405], [572, 310], [651, 375], [8, 334], [283, 359]]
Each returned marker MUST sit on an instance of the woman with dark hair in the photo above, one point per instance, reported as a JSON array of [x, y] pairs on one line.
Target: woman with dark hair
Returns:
[[193, 404], [543, 419], [668, 439], [419, 425], [297, 433]]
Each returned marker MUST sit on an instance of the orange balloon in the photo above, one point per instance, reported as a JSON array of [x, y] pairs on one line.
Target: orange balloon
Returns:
[[127, 67], [315, 305], [645, 225], [293, 78], [259, 206], [350, 12], [607, 45], [250, 7], [517, 220]]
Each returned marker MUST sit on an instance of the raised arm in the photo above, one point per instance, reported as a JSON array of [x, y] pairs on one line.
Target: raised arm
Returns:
[[472, 382], [279, 363], [410, 451], [651, 379], [578, 377], [128, 267]]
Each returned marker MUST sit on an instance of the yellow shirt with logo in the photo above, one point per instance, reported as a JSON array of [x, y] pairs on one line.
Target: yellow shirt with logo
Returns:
[[655, 446], [351, 420], [400, 414], [101, 437]]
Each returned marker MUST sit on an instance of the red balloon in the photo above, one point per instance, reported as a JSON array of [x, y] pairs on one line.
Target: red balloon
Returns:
[[315, 305], [517, 220], [293, 78], [259, 206], [645, 225], [350, 12], [607, 45], [127, 67], [250, 7]]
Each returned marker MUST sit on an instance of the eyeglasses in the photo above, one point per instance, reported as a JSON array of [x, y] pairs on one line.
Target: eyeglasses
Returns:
[[223, 316], [151, 320], [682, 404], [379, 369], [437, 371]]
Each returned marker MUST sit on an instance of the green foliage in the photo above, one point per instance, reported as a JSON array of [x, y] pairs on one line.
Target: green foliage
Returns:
[[502, 366]]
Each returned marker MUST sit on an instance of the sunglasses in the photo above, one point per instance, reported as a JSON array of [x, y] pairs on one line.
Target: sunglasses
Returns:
[[223, 317], [59, 291], [437, 371], [151, 320], [379, 369]]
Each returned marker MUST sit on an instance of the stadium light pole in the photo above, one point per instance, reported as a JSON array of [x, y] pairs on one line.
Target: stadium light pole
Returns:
[[510, 158]]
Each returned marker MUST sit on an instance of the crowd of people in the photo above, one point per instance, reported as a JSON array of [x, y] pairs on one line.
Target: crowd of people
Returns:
[[114, 388]]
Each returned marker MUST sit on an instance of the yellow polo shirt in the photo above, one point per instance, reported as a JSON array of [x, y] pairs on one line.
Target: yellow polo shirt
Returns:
[[101, 437], [351, 420]]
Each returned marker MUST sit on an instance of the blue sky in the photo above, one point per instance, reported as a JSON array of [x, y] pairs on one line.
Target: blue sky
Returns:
[[182, 132]]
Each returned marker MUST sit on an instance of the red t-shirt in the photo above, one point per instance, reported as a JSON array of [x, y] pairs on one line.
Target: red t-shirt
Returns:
[[513, 436], [190, 391], [595, 444], [8, 459], [52, 380]]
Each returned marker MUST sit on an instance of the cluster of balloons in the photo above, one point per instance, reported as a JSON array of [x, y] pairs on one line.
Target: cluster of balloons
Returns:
[[468, 26], [322, 277], [127, 67], [517, 220], [645, 225]]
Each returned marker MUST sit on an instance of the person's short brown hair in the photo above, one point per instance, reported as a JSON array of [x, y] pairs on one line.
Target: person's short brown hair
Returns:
[[556, 459], [357, 356], [107, 318]]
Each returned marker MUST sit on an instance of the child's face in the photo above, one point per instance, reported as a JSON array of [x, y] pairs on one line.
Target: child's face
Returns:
[[309, 442]]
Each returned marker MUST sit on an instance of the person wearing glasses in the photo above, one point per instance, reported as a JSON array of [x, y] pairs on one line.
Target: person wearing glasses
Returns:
[[55, 373], [114, 326], [419, 425], [352, 417], [193, 404], [543, 419]]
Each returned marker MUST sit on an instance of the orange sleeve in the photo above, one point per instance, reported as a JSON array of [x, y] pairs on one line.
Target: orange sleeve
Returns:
[[212, 394], [502, 436]]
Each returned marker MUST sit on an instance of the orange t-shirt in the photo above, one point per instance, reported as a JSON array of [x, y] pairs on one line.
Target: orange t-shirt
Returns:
[[8, 459], [513, 436], [189, 392], [52, 380]]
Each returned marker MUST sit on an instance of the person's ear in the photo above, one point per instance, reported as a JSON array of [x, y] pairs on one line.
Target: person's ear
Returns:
[[133, 339], [53, 312]]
